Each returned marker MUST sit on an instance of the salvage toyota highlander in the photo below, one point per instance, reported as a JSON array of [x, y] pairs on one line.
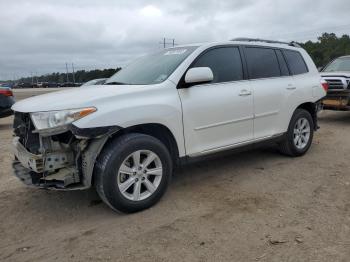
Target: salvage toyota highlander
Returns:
[[125, 137]]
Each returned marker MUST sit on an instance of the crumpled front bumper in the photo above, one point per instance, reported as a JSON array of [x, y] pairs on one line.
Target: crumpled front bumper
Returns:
[[50, 171], [59, 181], [63, 161]]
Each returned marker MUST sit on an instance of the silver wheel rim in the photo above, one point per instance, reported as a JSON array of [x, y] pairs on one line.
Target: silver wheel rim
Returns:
[[301, 133], [140, 175]]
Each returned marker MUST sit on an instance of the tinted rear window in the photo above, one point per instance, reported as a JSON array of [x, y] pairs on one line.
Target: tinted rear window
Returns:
[[295, 62], [282, 63], [262, 62], [225, 62]]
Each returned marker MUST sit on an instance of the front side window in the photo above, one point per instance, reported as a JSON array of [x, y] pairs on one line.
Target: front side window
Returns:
[[295, 62], [225, 62], [262, 62], [339, 64], [152, 69]]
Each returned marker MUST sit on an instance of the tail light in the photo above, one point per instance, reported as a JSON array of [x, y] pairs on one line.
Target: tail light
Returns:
[[325, 85], [6, 92]]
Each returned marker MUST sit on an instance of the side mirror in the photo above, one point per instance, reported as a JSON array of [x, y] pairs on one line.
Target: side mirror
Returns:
[[199, 75]]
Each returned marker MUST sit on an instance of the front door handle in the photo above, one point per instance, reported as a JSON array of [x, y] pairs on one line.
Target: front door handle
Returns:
[[245, 92], [291, 87]]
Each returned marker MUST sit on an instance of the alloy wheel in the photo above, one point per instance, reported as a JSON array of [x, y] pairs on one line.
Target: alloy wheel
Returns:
[[301, 134], [140, 175]]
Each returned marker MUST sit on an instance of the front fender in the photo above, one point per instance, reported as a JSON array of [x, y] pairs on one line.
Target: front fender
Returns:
[[89, 157], [153, 106]]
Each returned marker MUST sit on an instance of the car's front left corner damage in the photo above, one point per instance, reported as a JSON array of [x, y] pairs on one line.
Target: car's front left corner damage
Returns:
[[59, 160]]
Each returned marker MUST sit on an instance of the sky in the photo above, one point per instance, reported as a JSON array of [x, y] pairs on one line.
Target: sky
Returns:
[[40, 36]]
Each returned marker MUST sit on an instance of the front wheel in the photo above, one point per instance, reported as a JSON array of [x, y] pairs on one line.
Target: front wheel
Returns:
[[133, 172], [299, 135]]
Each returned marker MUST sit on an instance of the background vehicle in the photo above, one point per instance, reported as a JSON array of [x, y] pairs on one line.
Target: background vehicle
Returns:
[[6, 101], [99, 81], [126, 136], [68, 84], [23, 85], [337, 75], [47, 84]]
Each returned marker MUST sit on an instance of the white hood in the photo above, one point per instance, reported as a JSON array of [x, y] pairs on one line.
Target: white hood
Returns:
[[77, 97], [336, 74]]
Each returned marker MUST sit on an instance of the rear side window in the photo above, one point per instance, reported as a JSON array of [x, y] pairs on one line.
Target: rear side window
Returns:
[[262, 62], [282, 63], [225, 62], [295, 62]]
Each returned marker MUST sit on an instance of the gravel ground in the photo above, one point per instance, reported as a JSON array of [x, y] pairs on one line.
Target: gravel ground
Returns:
[[251, 206]]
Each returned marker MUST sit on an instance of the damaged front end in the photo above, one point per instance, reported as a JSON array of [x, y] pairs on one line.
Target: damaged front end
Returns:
[[57, 160]]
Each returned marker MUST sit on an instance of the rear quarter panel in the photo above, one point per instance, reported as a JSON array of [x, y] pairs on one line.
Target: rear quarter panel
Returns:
[[314, 78], [308, 89]]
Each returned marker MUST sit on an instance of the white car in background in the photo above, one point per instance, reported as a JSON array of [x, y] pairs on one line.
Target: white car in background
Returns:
[[125, 137], [94, 82]]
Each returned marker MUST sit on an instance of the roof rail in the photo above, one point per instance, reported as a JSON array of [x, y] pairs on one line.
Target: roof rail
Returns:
[[246, 39]]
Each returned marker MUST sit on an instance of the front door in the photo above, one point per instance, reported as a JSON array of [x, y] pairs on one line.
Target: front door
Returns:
[[218, 114]]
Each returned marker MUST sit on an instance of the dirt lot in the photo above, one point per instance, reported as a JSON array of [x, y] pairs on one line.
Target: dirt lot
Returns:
[[252, 206]]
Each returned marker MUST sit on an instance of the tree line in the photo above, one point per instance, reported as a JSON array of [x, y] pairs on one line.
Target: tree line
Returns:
[[327, 48], [80, 76]]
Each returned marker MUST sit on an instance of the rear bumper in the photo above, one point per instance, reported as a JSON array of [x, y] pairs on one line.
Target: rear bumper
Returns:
[[5, 112], [6, 103]]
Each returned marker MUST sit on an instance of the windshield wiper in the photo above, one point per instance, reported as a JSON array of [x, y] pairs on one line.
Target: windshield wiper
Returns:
[[115, 83]]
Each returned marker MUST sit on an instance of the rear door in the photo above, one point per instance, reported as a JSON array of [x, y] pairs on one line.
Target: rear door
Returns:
[[270, 81], [218, 114]]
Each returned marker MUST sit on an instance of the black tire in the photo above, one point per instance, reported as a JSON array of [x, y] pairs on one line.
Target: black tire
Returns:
[[287, 146], [111, 158]]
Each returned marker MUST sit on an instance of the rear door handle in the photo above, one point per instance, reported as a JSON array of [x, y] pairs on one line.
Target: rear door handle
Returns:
[[245, 92], [291, 87]]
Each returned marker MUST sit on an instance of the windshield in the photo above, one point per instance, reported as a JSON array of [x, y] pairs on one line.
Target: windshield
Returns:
[[339, 64], [153, 68]]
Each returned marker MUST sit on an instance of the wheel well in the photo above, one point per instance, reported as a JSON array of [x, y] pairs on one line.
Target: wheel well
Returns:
[[311, 108], [158, 131]]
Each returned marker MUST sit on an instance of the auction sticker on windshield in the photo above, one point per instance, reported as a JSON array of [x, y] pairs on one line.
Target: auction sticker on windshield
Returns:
[[176, 52]]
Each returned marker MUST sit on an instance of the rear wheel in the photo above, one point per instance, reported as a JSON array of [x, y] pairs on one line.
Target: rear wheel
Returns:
[[299, 135], [133, 172]]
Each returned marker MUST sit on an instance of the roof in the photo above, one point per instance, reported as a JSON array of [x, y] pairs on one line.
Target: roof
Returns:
[[245, 41]]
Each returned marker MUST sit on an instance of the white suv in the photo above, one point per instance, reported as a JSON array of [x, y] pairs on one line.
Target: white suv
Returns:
[[125, 137]]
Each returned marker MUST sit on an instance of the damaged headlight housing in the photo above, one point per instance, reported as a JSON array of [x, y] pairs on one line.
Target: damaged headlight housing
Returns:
[[59, 119]]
